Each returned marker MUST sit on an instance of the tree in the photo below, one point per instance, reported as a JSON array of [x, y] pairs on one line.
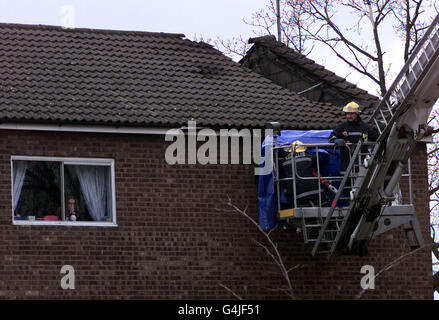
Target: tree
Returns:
[[358, 43], [293, 16], [410, 20]]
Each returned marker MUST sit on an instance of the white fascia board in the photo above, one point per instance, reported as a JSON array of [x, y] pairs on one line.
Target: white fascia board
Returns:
[[83, 128], [197, 131]]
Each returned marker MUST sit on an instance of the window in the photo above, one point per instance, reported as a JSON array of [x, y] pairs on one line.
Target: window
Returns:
[[63, 191]]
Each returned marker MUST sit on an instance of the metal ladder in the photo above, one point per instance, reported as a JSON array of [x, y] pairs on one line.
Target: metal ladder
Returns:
[[342, 211], [330, 233], [396, 101], [397, 98]]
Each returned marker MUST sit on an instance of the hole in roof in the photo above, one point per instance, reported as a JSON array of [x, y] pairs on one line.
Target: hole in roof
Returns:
[[208, 70]]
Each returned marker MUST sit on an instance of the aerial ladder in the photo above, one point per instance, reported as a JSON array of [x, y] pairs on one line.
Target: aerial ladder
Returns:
[[370, 180]]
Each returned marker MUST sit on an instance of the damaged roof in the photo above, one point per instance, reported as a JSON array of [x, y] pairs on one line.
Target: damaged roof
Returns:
[[50, 74], [330, 80]]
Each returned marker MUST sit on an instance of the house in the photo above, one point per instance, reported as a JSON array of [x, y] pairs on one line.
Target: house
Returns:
[[84, 116]]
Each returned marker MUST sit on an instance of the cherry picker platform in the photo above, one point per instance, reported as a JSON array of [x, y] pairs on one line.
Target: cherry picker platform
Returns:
[[364, 204]]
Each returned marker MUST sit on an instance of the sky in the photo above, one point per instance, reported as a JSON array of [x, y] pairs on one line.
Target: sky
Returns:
[[190, 17], [207, 18]]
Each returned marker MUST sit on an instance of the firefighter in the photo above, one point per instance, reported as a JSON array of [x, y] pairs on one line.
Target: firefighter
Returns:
[[307, 190], [351, 131]]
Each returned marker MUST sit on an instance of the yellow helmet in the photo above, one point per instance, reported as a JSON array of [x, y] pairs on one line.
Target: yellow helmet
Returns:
[[297, 146], [352, 107]]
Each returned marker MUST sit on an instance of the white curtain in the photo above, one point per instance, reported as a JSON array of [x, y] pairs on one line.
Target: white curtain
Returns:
[[19, 172], [108, 190], [93, 183]]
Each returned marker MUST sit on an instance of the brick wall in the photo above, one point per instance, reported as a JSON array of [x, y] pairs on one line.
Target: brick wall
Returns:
[[175, 238]]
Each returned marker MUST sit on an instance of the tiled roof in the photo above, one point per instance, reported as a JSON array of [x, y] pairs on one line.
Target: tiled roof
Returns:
[[54, 75], [315, 70]]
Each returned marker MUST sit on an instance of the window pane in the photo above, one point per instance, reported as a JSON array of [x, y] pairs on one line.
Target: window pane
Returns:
[[36, 190], [87, 193]]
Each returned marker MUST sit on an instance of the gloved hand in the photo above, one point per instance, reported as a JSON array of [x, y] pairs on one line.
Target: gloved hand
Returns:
[[339, 142]]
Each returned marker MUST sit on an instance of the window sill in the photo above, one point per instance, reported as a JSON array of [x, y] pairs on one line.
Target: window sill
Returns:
[[64, 223]]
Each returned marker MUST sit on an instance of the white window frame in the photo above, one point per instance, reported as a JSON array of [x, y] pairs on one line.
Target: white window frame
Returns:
[[69, 161]]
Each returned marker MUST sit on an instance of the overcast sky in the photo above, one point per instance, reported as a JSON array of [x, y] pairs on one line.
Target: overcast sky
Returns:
[[212, 18]]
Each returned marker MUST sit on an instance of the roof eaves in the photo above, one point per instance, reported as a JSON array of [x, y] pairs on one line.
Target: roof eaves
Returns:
[[90, 30]]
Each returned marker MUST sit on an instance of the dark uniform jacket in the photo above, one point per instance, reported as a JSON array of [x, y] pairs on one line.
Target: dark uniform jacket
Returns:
[[307, 190], [352, 132]]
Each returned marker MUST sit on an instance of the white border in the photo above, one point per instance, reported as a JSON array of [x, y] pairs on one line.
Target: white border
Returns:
[[64, 223], [76, 161]]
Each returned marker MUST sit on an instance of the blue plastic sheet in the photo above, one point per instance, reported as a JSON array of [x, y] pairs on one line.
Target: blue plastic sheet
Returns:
[[267, 194], [289, 136]]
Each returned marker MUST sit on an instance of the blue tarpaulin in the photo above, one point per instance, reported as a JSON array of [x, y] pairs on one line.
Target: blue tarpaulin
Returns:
[[267, 194]]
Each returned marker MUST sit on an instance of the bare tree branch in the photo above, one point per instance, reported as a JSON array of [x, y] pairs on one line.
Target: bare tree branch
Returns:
[[276, 256], [434, 190], [393, 264], [327, 19], [231, 291]]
